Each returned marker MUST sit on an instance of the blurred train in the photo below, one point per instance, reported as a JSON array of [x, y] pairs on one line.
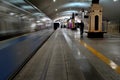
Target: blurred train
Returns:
[[15, 21]]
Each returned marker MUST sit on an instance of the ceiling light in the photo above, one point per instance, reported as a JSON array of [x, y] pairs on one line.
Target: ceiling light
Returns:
[[24, 17], [45, 19], [54, 0], [38, 21], [12, 13], [39, 14], [16, 1], [115, 0], [70, 11], [27, 7], [76, 4], [56, 9]]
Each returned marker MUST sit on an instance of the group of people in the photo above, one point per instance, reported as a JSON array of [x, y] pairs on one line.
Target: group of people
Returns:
[[80, 25]]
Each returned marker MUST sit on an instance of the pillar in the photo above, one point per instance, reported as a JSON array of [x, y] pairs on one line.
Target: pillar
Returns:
[[95, 21]]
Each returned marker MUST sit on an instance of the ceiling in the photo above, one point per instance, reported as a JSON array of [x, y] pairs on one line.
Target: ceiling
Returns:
[[55, 8]]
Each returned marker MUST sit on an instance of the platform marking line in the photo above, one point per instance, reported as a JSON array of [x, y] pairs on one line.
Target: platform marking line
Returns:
[[109, 62]]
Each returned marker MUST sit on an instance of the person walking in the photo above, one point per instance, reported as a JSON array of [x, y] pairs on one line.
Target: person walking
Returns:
[[81, 28]]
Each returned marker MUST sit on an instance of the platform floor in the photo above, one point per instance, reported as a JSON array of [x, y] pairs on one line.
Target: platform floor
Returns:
[[66, 56]]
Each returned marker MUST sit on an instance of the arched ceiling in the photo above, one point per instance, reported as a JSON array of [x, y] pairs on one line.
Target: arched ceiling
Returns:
[[55, 8]]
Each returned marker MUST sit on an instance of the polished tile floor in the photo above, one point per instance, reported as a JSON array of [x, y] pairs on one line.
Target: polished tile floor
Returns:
[[66, 56]]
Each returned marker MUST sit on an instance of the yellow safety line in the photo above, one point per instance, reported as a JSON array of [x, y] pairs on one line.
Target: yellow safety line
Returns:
[[109, 62]]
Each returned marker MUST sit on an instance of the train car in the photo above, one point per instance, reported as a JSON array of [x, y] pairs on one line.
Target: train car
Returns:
[[56, 25], [15, 21]]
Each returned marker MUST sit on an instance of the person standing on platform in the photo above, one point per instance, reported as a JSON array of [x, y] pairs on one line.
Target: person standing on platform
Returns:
[[81, 28]]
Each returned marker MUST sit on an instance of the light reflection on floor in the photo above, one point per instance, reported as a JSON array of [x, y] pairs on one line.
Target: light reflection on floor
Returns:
[[88, 70]]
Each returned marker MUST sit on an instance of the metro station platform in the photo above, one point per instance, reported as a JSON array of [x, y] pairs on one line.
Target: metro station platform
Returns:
[[66, 56]]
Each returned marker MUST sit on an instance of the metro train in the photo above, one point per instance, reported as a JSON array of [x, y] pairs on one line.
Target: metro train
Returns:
[[15, 52], [14, 21]]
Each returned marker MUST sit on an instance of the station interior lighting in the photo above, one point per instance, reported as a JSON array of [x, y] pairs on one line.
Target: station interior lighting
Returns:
[[115, 0], [76, 4], [54, 0]]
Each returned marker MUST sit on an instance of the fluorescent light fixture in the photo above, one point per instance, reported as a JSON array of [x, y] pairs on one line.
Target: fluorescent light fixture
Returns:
[[16, 1], [54, 0], [39, 14], [12, 13], [70, 11], [56, 9], [24, 17], [45, 19], [27, 7], [115, 0], [38, 21], [76, 4]]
